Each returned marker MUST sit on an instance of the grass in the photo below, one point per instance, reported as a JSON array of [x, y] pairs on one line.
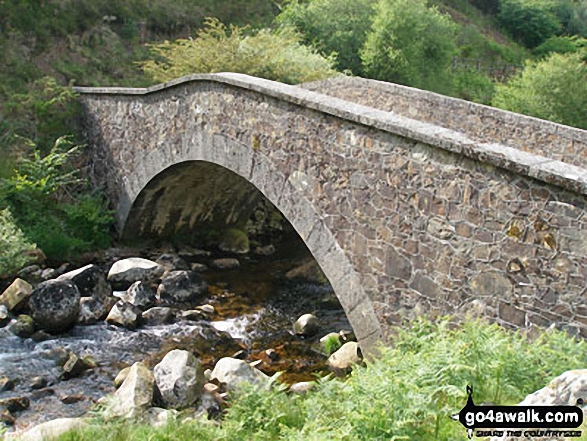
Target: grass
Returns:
[[409, 392]]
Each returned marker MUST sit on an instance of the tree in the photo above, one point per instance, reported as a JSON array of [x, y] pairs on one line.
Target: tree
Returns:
[[554, 89], [275, 55], [410, 44], [339, 26], [529, 21]]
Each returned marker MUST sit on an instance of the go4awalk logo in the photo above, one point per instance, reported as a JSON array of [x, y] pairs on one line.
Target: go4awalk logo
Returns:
[[526, 421]]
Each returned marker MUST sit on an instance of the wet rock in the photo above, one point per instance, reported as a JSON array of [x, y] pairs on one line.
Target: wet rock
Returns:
[[188, 251], [16, 295], [38, 383], [124, 315], [89, 362], [57, 355], [48, 274], [15, 404], [208, 309], [4, 316], [72, 368], [51, 430], [42, 393], [226, 264], [6, 384], [272, 354], [134, 396], [193, 315], [199, 267], [54, 305], [232, 372], [302, 388], [308, 272], [265, 251], [179, 378], [341, 361], [240, 355], [31, 273], [40, 336], [180, 287], [172, 262], [125, 272], [23, 326], [72, 399], [93, 310], [121, 377], [7, 418], [140, 294], [158, 315], [157, 417], [307, 325], [234, 241], [89, 281]]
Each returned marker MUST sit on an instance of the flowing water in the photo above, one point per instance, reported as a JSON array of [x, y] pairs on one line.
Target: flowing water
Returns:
[[255, 309]]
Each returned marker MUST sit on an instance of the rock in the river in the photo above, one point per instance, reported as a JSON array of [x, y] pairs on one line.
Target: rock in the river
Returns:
[[140, 294], [342, 361], [180, 287], [54, 305], [226, 264], [121, 377], [172, 262], [16, 295], [7, 418], [179, 378], [234, 241], [307, 325], [265, 251], [89, 281], [134, 396], [23, 326], [51, 430], [6, 384], [125, 272], [15, 404], [199, 267], [38, 383], [158, 315], [125, 315], [92, 310], [73, 367], [308, 272], [232, 372], [4, 316]]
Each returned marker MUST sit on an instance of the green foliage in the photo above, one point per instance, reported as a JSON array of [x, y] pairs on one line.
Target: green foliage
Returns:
[[275, 55], [572, 15], [561, 45], [51, 205], [529, 21], [332, 344], [554, 88], [13, 245], [473, 85], [410, 44], [338, 26], [409, 393]]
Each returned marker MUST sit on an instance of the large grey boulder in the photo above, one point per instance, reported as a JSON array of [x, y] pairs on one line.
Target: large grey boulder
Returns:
[[179, 378], [125, 315], [93, 310], [233, 372], [54, 305], [89, 281], [157, 315], [342, 361], [140, 294], [307, 325], [125, 272], [134, 396], [51, 430], [16, 295], [181, 287]]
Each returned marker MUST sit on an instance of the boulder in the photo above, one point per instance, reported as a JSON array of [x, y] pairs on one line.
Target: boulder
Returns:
[[121, 377], [124, 315], [226, 264], [54, 305], [15, 404], [181, 287], [89, 281], [16, 295], [157, 417], [234, 241], [134, 396], [92, 310], [37, 383], [302, 388], [52, 430], [72, 368], [158, 315], [232, 372], [49, 273], [179, 378], [125, 272], [193, 315], [139, 294], [6, 384], [308, 272], [199, 267], [4, 316], [342, 361], [23, 326], [265, 251], [172, 262], [307, 325]]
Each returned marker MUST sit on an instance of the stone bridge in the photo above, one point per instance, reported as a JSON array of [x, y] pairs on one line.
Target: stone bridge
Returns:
[[411, 202]]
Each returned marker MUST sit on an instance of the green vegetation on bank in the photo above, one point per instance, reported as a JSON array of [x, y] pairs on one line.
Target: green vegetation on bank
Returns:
[[408, 393]]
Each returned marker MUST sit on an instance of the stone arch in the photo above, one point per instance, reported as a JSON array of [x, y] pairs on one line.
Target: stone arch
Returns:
[[287, 193]]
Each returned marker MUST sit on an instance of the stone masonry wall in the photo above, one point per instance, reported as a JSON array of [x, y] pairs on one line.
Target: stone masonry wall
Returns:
[[404, 217]]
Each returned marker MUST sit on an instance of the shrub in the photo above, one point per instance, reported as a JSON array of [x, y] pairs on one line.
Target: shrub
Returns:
[[13, 245], [554, 88], [561, 45], [473, 85], [275, 55], [410, 44], [332, 344], [333, 26], [529, 21]]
